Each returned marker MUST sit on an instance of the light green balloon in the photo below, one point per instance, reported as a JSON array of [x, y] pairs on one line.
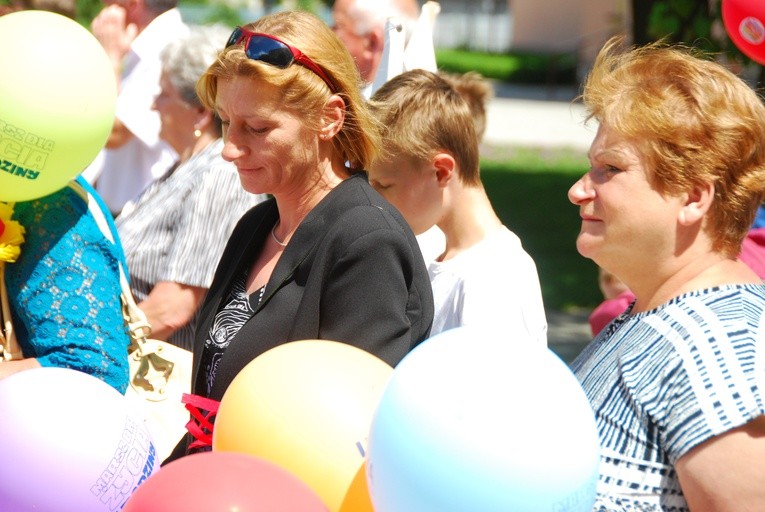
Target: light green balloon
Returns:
[[57, 102]]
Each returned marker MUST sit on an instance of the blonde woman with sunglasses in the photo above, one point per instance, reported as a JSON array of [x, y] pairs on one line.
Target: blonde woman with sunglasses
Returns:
[[175, 231], [326, 257]]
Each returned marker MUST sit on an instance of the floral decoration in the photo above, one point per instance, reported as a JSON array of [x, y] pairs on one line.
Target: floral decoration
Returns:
[[11, 235]]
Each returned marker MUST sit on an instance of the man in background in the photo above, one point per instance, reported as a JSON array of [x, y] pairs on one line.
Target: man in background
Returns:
[[360, 24]]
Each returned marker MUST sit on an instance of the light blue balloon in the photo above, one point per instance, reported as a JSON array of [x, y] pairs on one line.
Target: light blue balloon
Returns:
[[475, 421]]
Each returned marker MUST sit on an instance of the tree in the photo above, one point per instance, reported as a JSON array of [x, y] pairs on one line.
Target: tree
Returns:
[[676, 21], [696, 23]]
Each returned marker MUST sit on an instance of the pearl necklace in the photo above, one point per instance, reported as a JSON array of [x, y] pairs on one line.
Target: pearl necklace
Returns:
[[273, 235]]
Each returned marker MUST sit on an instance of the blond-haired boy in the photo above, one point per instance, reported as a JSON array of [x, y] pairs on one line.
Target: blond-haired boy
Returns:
[[429, 169]]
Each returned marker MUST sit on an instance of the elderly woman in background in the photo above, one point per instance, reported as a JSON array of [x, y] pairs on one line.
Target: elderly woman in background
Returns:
[[677, 382], [175, 233], [327, 257]]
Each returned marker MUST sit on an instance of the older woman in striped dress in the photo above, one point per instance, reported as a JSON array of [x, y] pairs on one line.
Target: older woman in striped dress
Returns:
[[677, 382]]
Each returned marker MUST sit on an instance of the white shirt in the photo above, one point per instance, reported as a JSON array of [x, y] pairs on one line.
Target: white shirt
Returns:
[[432, 243], [492, 284], [121, 174]]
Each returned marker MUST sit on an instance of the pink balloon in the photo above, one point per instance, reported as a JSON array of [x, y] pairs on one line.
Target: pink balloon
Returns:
[[69, 441], [744, 22], [222, 482]]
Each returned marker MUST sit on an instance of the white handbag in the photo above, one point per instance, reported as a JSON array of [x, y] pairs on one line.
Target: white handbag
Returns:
[[160, 374]]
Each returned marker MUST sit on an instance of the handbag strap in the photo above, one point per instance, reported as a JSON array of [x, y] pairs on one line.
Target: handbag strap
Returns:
[[138, 325], [143, 350]]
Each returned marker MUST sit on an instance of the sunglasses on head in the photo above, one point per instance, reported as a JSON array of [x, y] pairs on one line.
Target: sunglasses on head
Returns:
[[273, 51]]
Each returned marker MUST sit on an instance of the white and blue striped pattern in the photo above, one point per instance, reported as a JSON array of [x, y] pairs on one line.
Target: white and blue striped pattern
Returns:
[[663, 381]]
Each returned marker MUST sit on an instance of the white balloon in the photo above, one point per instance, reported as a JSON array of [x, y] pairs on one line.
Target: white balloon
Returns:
[[472, 420]]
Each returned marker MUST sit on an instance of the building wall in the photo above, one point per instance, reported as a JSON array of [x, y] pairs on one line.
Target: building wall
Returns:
[[558, 26], [546, 25], [600, 20], [567, 26]]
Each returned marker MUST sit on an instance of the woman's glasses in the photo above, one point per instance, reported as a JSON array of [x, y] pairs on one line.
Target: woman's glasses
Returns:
[[269, 49]]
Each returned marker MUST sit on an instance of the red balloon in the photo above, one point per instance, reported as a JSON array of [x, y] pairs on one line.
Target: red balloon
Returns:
[[744, 22], [222, 482]]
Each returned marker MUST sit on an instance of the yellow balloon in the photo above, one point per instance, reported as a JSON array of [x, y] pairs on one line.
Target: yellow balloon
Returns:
[[306, 406], [57, 102], [357, 497]]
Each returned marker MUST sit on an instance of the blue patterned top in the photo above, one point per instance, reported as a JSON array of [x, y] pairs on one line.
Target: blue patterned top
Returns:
[[65, 290], [663, 381]]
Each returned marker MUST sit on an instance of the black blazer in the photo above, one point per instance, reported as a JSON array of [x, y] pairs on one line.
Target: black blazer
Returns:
[[352, 272]]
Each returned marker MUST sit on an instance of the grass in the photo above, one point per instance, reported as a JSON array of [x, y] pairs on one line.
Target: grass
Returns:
[[516, 67], [528, 189]]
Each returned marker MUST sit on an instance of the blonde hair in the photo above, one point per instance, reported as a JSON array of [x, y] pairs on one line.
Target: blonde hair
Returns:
[[477, 91], [302, 90], [422, 114], [693, 121]]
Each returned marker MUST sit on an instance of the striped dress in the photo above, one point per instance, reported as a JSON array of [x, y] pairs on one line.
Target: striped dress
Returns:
[[662, 381]]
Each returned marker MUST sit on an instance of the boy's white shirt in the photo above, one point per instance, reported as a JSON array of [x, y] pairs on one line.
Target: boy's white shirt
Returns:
[[492, 284], [432, 243]]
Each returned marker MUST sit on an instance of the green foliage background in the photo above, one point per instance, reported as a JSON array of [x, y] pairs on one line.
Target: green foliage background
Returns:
[[696, 23]]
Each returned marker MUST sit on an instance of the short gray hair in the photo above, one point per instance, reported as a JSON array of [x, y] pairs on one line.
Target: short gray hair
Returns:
[[186, 59]]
